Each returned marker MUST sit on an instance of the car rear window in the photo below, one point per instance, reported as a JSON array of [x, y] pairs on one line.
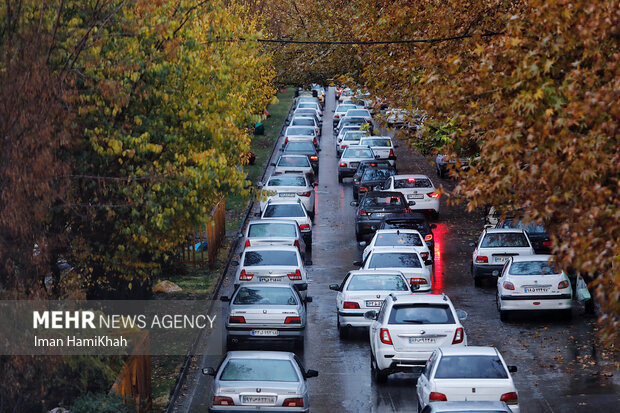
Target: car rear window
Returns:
[[371, 201], [394, 260], [305, 146], [297, 161], [259, 370], [358, 153], [470, 367], [368, 282], [272, 230], [532, 228], [344, 108], [505, 239], [532, 268], [265, 296], [303, 121], [284, 210], [406, 224], [377, 174], [287, 180], [394, 239], [300, 131], [421, 314], [413, 183], [260, 258], [377, 142], [352, 137], [358, 112]]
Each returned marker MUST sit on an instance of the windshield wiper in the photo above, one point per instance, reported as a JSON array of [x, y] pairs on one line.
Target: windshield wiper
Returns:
[[414, 321]]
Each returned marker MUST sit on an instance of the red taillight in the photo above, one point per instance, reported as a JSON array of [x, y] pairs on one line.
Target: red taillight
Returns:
[[236, 319], [304, 193], [433, 195], [384, 335], [508, 285], [428, 237], [304, 226], [482, 258], [342, 164], [362, 212], [363, 189], [411, 180], [314, 158], [356, 182], [243, 276], [510, 398], [336, 116], [222, 401], [437, 397], [296, 244], [350, 305], [391, 153], [296, 276], [563, 284], [418, 281], [292, 320], [459, 336], [546, 243], [315, 141], [247, 243], [293, 402], [424, 255], [286, 140]]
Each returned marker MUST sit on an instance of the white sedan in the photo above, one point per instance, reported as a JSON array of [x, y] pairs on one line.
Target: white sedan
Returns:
[[397, 238], [531, 282], [404, 259], [467, 373], [417, 189], [289, 185]]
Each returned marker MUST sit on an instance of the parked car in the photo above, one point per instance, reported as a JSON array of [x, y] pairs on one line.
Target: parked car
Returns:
[[419, 191], [540, 239], [295, 164], [290, 209], [360, 113], [466, 407], [351, 158], [299, 147], [467, 373], [443, 162], [290, 185], [363, 123], [404, 259], [382, 147], [274, 232], [371, 180], [415, 221], [271, 380], [373, 207], [309, 112], [311, 105], [407, 329], [397, 238], [303, 131]]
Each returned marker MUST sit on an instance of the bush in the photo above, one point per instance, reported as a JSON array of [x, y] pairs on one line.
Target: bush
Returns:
[[99, 403]]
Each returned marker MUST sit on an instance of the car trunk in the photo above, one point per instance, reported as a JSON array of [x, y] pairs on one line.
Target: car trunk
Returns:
[[287, 191], [536, 285], [371, 300], [267, 396], [273, 274], [473, 389], [502, 254], [268, 314], [271, 241], [421, 337], [381, 151]]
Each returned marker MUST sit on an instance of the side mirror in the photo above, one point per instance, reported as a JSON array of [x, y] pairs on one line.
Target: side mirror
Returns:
[[371, 315], [487, 226], [334, 287], [318, 149], [433, 226], [234, 263], [260, 184], [272, 164], [363, 243], [308, 299], [312, 373], [354, 203], [208, 371], [512, 369], [414, 287], [224, 299], [462, 315], [428, 262], [358, 263]]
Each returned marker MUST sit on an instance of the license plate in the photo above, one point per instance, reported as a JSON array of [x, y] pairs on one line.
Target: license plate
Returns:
[[374, 303], [258, 399], [354, 164], [286, 194], [265, 333], [500, 259], [536, 290], [422, 340], [379, 214], [269, 279], [415, 196]]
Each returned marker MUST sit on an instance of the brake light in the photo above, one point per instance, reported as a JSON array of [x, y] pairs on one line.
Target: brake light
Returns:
[[286, 140], [314, 158], [247, 243], [363, 189], [222, 401], [433, 195], [236, 319], [293, 402], [243, 276], [315, 141], [546, 243], [424, 255], [362, 212], [384, 335], [437, 397], [296, 244], [304, 193], [482, 258], [418, 281], [510, 398], [459, 336], [391, 153], [411, 180], [343, 147], [350, 305], [342, 164], [292, 320], [296, 276], [563, 284], [508, 285], [428, 237], [304, 226], [356, 182]]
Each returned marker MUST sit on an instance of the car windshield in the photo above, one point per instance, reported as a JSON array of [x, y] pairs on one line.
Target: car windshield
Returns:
[[532, 228], [351, 128], [470, 367], [365, 153], [504, 239], [307, 99], [377, 142], [354, 135], [358, 112], [413, 183], [421, 314], [272, 230], [306, 112], [300, 131], [532, 268], [265, 296], [398, 239], [394, 260], [287, 180], [259, 370], [284, 210], [377, 174], [270, 257], [376, 282], [303, 121], [354, 119], [299, 146], [344, 108], [298, 161], [381, 201]]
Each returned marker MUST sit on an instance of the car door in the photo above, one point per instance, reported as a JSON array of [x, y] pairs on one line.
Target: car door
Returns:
[[423, 387], [374, 327], [340, 295]]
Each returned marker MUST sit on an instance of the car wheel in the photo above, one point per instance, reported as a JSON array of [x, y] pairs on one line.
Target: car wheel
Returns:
[[380, 376], [359, 237], [567, 314], [503, 315], [339, 178], [477, 280]]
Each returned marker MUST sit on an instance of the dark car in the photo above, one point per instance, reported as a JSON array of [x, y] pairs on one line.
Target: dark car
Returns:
[[373, 207], [414, 220], [379, 163], [371, 179], [304, 148], [541, 242]]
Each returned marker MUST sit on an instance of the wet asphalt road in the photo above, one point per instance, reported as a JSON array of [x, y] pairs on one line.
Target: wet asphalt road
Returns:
[[561, 368]]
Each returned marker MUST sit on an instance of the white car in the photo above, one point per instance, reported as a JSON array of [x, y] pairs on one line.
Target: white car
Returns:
[[531, 282], [404, 259], [311, 105], [361, 291], [467, 373], [302, 131], [349, 137], [341, 111], [397, 238], [309, 121], [396, 117], [418, 190], [289, 186], [351, 158], [294, 164], [494, 248], [382, 147], [408, 328], [359, 113], [290, 209], [274, 232]]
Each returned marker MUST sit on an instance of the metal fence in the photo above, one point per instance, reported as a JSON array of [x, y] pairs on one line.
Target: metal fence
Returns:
[[202, 246], [133, 384]]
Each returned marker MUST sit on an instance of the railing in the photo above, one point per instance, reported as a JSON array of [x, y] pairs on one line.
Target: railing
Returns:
[[133, 384], [201, 247]]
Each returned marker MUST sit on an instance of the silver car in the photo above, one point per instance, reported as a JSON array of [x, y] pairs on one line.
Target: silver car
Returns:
[[294, 163], [289, 186], [341, 111], [466, 407], [290, 209], [265, 381], [274, 232], [351, 158], [265, 312]]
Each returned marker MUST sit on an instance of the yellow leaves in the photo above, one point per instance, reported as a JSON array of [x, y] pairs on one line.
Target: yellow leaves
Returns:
[[479, 49], [539, 94], [115, 146]]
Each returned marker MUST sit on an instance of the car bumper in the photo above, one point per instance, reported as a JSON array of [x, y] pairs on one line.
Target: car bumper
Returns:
[[346, 172], [353, 318], [536, 302], [424, 205], [368, 227], [414, 361], [487, 270], [261, 409], [245, 334]]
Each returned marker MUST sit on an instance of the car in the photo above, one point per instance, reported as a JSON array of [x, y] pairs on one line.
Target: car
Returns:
[[373, 207], [349, 137], [397, 238], [341, 111], [396, 117], [272, 264], [272, 381], [382, 147], [311, 105], [290, 209], [289, 186], [345, 130], [309, 112], [377, 163], [361, 291], [494, 248], [370, 180], [294, 164], [303, 131], [415, 221], [466, 407], [443, 162], [306, 121], [533, 282], [274, 232], [354, 121], [404, 259], [539, 237], [467, 373], [419, 191], [351, 158], [306, 98], [347, 93], [359, 113], [269, 312], [296, 146], [408, 328]]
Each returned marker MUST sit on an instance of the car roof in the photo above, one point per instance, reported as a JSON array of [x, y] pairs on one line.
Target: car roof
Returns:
[[377, 137], [395, 249], [256, 354], [272, 221], [468, 350], [267, 285], [414, 176], [377, 273], [284, 201], [527, 258], [503, 230], [271, 248], [469, 406], [423, 298]]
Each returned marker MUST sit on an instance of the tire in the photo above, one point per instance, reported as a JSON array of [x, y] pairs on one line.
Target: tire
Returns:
[[419, 407], [359, 237], [567, 314], [477, 280], [339, 178], [380, 376], [343, 331]]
